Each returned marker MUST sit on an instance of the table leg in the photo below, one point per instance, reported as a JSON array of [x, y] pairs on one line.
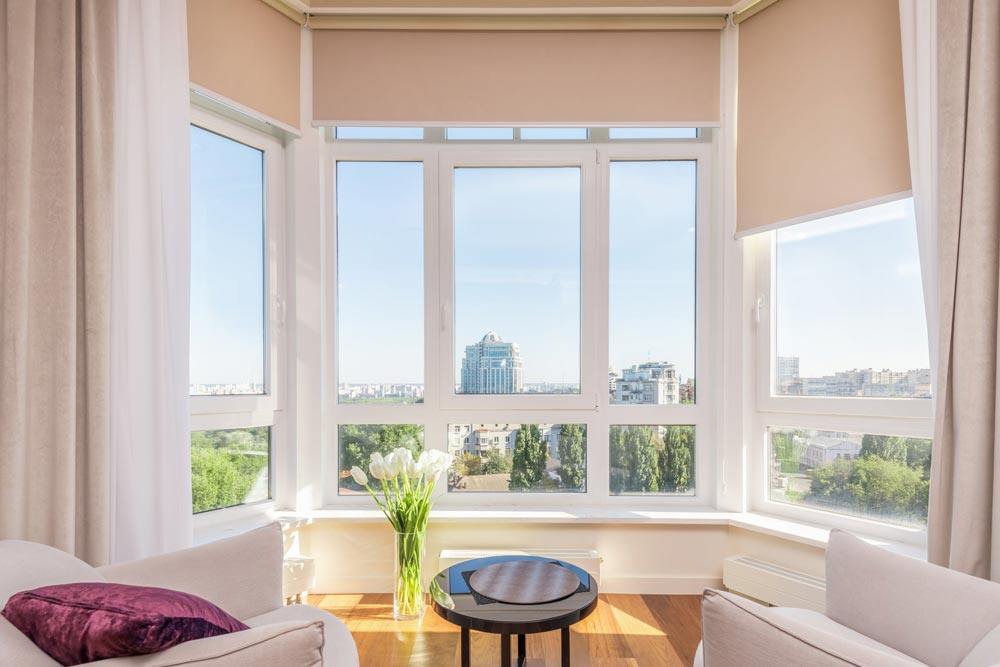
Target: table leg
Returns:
[[504, 650], [565, 647], [466, 662], [521, 653]]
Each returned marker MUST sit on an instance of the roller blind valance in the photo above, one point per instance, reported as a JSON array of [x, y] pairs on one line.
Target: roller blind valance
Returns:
[[248, 52], [821, 116], [424, 76]]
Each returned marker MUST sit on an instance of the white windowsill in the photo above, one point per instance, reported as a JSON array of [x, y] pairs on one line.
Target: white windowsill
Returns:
[[794, 531]]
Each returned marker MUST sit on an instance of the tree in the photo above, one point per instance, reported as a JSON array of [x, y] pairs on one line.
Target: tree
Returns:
[[617, 459], [572, 450], [469, 464], [643, 474], [885, 447], [676, 459], [528, 465], [497, 462], [872, 485], [359, 441], [918, 455]]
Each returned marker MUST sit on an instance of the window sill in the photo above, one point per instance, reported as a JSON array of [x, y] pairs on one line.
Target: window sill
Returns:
[[227, 525]]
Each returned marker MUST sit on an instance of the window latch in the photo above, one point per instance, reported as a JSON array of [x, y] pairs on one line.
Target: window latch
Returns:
[[758, 306]]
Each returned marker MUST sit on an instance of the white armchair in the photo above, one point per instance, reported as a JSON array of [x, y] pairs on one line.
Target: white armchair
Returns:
[[241, 574], [882, 610]]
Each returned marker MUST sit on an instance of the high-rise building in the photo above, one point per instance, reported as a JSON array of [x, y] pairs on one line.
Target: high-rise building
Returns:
[[492, 366], [653, 382]]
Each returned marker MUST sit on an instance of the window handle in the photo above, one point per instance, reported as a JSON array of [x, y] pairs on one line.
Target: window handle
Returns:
[[758, 307]]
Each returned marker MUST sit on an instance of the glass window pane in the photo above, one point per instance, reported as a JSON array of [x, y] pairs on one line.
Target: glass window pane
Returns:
[[652, 290], [480, 133], [653, 133], [380, 133], [230, 467], [359, 441], [517, 280], [652, 460], [227, 266], [849, 306], [380, 293], [553, 133], [518, 457], [881, 477]]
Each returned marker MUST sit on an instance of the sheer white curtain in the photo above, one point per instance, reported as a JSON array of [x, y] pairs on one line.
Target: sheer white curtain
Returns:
[[918, 29], [150, 457]]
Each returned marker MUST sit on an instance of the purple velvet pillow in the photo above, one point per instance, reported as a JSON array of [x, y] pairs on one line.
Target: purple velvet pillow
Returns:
[[79, 623]]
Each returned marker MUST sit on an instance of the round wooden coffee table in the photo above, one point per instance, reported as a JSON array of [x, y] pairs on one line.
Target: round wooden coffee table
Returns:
[[538, 600]]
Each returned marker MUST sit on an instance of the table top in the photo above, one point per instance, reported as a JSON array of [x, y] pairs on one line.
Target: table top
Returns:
[[455, 601]]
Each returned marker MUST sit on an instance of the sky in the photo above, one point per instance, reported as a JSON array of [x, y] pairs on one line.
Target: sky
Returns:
[[227, 260], [849, 292], [517, 271]]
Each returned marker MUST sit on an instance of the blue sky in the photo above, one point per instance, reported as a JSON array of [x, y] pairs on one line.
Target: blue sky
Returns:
[[849, 292], [845, 299], [227, 261]]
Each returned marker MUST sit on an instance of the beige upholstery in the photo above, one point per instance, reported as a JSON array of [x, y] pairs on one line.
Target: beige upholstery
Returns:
[[882, 609], [241, 574], [941, 614]]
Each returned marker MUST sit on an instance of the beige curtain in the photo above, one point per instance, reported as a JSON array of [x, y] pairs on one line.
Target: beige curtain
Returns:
[[56, 97], [964, 524]]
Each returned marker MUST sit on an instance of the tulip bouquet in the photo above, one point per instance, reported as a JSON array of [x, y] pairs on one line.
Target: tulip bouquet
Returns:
[[407, 485]]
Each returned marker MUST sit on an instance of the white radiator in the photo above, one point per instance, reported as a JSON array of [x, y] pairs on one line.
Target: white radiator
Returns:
[[773, 584], [589, 561]]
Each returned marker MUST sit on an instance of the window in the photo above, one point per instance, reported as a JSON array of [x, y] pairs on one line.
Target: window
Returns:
[[652, 460], [227, 266], [844, 418], [881, 477], [237, 204], [380, 220], [490, 282], [518, 457], [517, 280], [480, 133], [230, 467], [653, 219], [393, 133], [849, 307], [653, 133], [359, 441]]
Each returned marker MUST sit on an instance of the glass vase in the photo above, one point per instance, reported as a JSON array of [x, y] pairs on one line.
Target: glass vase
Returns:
[[409, 601]]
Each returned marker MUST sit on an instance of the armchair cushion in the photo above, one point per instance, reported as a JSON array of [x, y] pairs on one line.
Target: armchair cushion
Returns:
[[84, 622], [26, 565], [935, 614], [338, 644], [741, 633]]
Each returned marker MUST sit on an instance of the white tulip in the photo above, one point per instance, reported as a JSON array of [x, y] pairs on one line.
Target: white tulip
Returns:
[[413, 469], [359, 476], [437, 462], [378, 467]]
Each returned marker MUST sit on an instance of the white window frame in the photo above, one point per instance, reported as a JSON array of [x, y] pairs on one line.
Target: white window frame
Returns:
[[591, 407], [267, 409], [909, 417]]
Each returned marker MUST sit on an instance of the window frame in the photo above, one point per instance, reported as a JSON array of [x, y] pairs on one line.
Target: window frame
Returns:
[[228, 412], [909, 417], [592, 407]]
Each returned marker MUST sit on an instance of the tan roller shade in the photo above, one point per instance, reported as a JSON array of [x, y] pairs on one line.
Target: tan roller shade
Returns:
[[247, 52], [558, 77], [822, 124]]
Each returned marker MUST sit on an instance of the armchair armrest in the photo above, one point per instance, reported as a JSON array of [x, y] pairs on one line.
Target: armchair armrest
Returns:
[[294, 643], [740, 633], [241, 574]]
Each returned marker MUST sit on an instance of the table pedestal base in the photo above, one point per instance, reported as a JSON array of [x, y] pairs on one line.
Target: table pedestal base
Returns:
[[505, 649]]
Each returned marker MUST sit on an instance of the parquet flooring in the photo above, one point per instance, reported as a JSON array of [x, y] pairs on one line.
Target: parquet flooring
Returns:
[[624, 631]]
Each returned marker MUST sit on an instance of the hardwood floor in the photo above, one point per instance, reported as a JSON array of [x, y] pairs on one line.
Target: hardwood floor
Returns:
[[624, 631]]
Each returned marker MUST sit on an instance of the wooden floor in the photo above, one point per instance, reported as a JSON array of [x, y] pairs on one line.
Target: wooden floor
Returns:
[[624, 631]]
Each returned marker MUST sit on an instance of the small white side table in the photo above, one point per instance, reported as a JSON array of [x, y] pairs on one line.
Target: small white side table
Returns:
[[298, 578]]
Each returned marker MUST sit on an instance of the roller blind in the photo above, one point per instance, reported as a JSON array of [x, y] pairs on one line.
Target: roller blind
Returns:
[[248, 52], [821, 119], [668, 76]]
